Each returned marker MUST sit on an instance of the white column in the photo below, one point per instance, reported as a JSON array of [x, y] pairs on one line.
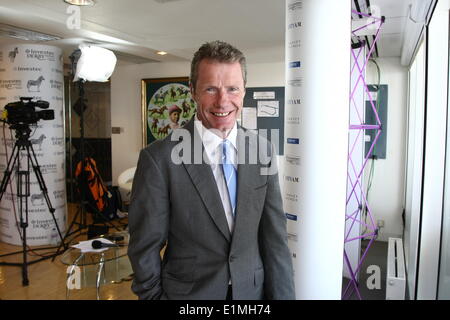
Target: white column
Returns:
[[316, 146], [30, 70]]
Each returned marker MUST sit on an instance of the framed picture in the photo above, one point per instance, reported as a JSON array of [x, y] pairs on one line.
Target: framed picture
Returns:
[[166, 105]]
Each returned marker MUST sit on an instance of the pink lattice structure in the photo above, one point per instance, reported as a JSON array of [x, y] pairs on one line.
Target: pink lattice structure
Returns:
[[371, 229]]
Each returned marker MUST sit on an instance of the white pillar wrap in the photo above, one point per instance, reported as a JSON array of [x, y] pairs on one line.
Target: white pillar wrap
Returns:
[[29, 70], [316, 146]]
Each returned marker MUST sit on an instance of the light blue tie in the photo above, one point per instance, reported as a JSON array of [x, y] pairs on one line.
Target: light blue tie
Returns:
[[229, 173]]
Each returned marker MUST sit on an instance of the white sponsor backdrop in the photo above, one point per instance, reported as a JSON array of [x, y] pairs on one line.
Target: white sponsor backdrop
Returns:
[[316, 131], [34, 71]]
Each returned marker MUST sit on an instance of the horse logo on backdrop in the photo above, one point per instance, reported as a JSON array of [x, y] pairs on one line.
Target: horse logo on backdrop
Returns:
[[35, 83], [37, 197], [12, 54], [38, 141]]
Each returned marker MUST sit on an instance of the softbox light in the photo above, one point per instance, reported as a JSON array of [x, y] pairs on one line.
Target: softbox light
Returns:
[[95, 64]]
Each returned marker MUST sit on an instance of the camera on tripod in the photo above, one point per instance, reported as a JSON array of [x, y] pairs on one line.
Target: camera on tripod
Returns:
[[24, 112]]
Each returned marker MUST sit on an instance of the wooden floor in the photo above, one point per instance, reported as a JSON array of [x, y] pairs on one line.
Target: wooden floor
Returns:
[[47, 279]]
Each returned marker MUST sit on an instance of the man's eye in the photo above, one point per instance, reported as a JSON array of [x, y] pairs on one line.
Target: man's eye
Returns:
[[210, 90], [233, 89]]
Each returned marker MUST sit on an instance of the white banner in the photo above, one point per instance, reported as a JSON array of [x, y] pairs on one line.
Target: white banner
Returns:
[[34, 71], [316, 130]]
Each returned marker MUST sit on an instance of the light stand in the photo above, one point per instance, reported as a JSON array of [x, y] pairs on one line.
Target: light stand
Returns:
[[23, 191], [80, 218]]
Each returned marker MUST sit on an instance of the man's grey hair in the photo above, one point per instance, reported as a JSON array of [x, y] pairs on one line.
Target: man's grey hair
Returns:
[[219, 51]]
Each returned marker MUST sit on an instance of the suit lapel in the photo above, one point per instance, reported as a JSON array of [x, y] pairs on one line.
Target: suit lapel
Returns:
[[203, 180]]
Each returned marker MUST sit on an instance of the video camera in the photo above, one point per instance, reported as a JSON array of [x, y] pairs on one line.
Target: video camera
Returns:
[[24, 112]]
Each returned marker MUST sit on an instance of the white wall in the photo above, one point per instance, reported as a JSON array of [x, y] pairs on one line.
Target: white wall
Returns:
[[387, 193], [126, 102]]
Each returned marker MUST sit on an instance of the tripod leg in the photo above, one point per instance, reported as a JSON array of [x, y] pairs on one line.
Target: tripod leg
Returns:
[[7, 175], [23, 192], [22, 196], [68, 233], [25, 280]]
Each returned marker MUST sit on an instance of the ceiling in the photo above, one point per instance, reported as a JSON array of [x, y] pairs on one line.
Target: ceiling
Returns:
[[136, 29], [391, 35]]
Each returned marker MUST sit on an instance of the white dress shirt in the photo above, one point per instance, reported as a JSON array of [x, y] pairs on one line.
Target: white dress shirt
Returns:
[[213, 152]]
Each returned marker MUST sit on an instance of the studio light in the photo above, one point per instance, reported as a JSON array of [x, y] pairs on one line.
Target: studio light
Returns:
[[95, 64]]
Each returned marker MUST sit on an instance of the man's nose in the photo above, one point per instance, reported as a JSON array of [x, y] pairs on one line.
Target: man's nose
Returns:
[[222, 97]]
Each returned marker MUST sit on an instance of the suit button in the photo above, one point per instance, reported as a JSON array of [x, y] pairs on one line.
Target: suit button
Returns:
[[231, 258]]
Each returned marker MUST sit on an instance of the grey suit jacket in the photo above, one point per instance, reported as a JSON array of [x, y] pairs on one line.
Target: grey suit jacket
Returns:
[[178, 204]]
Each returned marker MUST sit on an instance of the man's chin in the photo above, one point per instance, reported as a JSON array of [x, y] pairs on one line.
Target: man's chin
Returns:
[[221, 131]]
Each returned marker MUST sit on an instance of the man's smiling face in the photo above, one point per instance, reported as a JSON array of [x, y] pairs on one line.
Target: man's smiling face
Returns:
[[219, 93]]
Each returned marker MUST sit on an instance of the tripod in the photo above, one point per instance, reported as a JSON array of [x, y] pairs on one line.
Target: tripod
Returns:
[[22, 134]]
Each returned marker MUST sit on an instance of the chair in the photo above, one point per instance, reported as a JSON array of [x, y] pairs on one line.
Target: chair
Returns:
[[125, 182]]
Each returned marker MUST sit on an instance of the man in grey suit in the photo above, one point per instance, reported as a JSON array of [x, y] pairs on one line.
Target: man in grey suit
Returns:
[[202, 193]]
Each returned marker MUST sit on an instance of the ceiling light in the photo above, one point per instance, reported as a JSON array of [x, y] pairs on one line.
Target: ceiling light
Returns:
[[161, 53], [80, 2]]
